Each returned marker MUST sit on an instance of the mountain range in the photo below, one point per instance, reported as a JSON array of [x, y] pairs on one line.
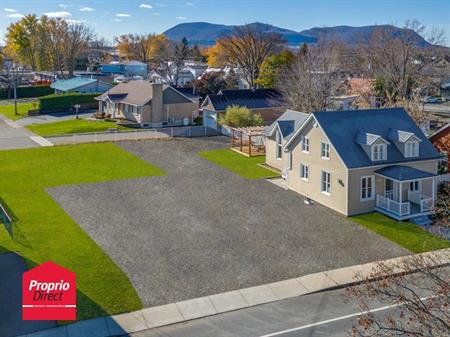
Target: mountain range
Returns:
[[205, 34]]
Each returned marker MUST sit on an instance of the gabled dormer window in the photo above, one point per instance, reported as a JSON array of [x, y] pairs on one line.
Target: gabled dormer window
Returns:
[[379, 152], [411, 149]]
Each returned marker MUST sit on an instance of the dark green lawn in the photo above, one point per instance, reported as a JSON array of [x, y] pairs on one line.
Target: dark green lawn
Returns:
[[246, 167], [42, 231], [405, 234], [72, 126]]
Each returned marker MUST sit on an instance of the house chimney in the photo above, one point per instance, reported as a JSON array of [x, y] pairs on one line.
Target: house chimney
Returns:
[[157, 103]]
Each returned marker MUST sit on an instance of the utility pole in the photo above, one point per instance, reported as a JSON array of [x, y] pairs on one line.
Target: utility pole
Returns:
[[14, 87]]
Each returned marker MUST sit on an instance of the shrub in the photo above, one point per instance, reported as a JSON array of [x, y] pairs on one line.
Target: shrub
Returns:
[[26, 92], [240, 116], [64, 101]]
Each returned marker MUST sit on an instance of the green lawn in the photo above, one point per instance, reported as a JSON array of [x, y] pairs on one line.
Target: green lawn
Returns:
[[42, 231], [22, 110], [405, 234], [72, 126], [246, 167]]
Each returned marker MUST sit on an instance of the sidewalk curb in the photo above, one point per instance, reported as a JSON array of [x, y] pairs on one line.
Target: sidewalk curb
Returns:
[[220, 303]]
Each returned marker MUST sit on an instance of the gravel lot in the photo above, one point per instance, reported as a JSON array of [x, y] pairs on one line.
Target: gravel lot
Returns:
[[202, 230]]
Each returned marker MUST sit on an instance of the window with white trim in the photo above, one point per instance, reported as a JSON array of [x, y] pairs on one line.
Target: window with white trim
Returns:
[[305, 144], [379, 152], [326, 182], [278, 149], [325, 150], [412, 149], [304, 172], [367, 188]]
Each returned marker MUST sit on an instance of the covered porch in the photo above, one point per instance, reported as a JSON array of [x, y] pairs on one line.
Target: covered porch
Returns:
[[406, 193]]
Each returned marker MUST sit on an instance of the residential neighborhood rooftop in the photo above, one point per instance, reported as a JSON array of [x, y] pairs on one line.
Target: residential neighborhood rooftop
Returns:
[[252, 99], [343, 128], [71, 84]]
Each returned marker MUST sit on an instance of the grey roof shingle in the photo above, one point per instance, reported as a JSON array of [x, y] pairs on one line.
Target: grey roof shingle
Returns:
[[342, 129], [288, 123], [399, 135], [403, 173], [365, 138]]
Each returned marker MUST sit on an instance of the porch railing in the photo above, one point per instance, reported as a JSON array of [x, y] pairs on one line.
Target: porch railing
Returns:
[[425, 202], [400, 208]]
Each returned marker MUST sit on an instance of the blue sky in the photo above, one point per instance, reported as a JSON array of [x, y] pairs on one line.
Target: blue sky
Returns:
[[111, 18]]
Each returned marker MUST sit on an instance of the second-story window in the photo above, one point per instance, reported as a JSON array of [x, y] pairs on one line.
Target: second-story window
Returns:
[[412, 149], [325, 150], [305, 144], [379, 152]]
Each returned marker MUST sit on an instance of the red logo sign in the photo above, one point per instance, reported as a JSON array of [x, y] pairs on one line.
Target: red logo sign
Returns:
[[49, 293]]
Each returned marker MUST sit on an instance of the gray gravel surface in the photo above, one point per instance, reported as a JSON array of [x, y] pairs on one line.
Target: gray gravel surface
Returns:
[[201, 229]]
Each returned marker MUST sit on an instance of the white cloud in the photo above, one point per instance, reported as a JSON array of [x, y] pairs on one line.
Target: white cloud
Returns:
[[65, 6], [74, 21], [118, 20], [15, 15], [181, 18], [9, 10], [123, 15], [190, 4], [87, 9], [146, 6], [61, 14], [161, 5], [156, 14]]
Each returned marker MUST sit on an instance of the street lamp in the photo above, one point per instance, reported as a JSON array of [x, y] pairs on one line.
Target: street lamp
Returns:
[[76, 106]]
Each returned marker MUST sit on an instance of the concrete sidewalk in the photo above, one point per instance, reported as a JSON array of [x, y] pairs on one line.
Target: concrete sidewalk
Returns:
[[105, 137], [220, 303], [14, 136]]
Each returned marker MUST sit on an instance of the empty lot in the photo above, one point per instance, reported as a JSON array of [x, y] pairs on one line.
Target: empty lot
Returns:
[[201, 230]]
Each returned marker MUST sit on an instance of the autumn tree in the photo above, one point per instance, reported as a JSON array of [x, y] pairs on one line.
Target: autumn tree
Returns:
[[77, 38], [310, 80], [22, 39], [273, 66], [136, 47], [216, 56], [417, 292], [247, 47], [47, 43]]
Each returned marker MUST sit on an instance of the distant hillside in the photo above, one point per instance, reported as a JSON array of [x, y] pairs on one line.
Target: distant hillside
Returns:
[[361, 35], [204, 33]]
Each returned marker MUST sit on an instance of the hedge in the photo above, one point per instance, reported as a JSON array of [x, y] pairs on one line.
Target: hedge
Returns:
[[63, 101], [25, 92]]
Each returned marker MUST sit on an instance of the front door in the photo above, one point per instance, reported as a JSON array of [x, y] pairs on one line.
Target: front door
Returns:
[[391, 189]]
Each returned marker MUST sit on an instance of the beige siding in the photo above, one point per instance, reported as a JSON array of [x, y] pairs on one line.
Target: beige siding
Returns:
[[271, 159], [356, 206], [312, 188]]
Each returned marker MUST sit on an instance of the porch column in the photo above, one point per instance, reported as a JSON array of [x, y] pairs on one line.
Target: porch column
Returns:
[[433, 186], [400, 192]]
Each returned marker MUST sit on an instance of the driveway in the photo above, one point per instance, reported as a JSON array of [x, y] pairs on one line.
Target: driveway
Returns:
[[14, 137], [54, 117], [11, 324], [202, 230]]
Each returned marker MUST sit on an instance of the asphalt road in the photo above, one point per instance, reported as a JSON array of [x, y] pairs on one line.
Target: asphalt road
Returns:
[[320, 314]]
